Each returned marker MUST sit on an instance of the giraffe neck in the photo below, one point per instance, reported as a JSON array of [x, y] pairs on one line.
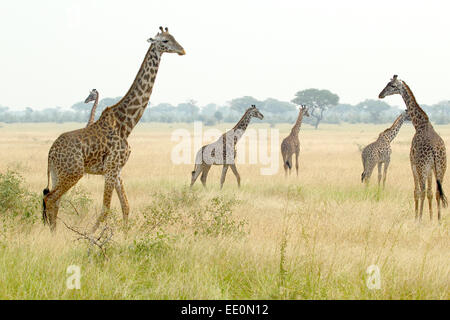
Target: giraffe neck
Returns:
[[128, 111], [390, 133], [419, 118], [241, 126], [296, 128], [94, 108]]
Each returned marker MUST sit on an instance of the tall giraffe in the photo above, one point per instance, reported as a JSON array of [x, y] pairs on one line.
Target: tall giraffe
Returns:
[[379, 152], [223, 151], [102, 148], [427, 150], [291, 144], [93, 96]]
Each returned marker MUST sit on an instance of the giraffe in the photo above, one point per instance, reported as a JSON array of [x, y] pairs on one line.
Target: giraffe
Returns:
[[427, 154], [102, 148], [379, 152], [93, 96], [223, 151], [291, 144]]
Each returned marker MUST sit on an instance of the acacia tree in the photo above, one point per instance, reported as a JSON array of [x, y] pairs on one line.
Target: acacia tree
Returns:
[[317, 100], [243, 103], [375, 108]]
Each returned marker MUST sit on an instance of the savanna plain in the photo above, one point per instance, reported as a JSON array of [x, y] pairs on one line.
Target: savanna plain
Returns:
[[306, 237]]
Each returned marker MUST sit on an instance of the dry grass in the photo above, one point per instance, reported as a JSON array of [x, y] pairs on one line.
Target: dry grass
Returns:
[[310, 237]]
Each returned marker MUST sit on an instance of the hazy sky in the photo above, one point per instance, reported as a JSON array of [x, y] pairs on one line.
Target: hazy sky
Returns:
[[53, 52]]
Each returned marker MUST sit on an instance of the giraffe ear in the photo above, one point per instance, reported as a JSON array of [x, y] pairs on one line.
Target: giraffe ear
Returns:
[[151, 40]]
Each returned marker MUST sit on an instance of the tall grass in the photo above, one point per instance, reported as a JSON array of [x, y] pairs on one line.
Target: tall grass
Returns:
[[311, 237]]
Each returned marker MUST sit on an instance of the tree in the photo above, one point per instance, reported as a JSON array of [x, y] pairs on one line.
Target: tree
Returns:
[[82, 107], [218, 116], [189, 110], [209, 109], [104, 103], [374, 108], [439, 112], [317, 100], [277, 106], [243, 103]]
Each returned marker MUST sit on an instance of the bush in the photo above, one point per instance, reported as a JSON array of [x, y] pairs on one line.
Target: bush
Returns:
[[185, 210], [77, 198], [16, 200], [155, 245], [217, 219]]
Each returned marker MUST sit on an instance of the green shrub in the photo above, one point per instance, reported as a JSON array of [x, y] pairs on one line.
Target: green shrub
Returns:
[[77, 198], [187, 211], [16, 200], [165, 209], [217, 219], [154, 245]]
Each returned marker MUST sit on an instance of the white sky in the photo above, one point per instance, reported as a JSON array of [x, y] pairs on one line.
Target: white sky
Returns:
[[53, 52]]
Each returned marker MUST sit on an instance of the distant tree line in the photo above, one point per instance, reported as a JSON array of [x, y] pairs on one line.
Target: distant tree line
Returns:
[[324, 108]]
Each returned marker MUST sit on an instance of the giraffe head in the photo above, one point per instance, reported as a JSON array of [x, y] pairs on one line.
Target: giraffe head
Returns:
[[165, 42], [254, 112], [304, 110], [92, 96], [393, 87]]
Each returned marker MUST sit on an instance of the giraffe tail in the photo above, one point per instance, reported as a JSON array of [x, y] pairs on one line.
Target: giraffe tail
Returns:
[[440, 190], [441, 194], [44, 207], [46, 191], [288, 164], [195, 168]]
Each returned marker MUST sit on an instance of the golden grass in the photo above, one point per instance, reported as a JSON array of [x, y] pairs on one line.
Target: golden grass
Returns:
[[310, 237]]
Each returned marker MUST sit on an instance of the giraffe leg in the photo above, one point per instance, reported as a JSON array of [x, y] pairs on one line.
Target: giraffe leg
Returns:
[[196, 173], [416, 190], [236, 173], [422, 185], [285, 166], [368, 172], [205, 174], [52, 199], [110, 182], [386, 166], [123, 200], [379, 164], [430, 194], [224, 173], [296, 162]]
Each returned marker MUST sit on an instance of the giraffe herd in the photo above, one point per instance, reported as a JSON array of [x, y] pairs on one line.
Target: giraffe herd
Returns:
[[101, 148]]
